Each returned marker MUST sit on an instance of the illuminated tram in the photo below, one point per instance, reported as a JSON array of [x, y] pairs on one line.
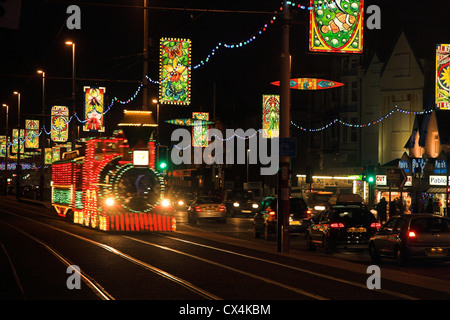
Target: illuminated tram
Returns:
[[113, 186]]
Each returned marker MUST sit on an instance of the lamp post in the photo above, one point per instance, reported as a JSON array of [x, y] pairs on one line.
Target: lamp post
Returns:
[[18, 167], [72, 129], [7, 149], [42, 139]]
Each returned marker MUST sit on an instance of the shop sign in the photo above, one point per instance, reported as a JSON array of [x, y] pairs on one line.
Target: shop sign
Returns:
[[418, 164], [381, 180], [438, 180], [408, 182], [404, 164], [440, 167]]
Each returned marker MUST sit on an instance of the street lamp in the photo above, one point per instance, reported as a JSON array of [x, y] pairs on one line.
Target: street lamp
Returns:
[[18, 167], [71, 43], [157, 117], [42, 139], [7, 151]]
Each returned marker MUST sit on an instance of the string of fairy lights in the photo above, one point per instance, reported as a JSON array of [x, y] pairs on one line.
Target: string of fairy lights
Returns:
[[234, 45]]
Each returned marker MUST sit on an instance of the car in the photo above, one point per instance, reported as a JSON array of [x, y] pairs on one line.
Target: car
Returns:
[[318, 201], [182, 201], [412, 236], [206, 207], [342, 227], [240, 202], [265, 219]]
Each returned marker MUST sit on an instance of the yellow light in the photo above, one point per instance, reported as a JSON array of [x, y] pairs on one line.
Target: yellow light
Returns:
[[110, 201], [69, 43], [165, 203]]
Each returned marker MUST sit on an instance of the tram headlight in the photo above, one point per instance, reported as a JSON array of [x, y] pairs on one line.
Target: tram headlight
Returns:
[[165, 203], [110, 201]]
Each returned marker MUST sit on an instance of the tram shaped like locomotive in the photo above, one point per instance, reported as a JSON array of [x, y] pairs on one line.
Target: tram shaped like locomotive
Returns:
[[114, 185]]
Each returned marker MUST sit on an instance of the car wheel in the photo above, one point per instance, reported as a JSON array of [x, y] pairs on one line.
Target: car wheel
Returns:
[[309, 242], [376, 258], [400, 257]]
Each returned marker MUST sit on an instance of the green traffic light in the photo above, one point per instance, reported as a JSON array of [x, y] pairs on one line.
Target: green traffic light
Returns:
[[163, 165], [370, 179]]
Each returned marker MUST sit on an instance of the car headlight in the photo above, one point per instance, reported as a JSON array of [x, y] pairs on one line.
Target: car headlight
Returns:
[[180, 203], [255, 206], [236, 204], [319, 208]]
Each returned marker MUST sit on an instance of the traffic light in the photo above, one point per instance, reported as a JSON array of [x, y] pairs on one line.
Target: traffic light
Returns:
[[370, 178], [162, 165]]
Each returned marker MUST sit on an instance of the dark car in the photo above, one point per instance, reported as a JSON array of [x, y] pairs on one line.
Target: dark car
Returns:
[[342, 227], [241, 202], [265, 219], [412, 236]]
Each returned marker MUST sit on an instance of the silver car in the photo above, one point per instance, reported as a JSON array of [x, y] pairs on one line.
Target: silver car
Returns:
[[412, 236], [207, 207]]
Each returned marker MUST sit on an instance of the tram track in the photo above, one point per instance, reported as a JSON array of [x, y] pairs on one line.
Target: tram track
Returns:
[[90, 281], [233, 255]]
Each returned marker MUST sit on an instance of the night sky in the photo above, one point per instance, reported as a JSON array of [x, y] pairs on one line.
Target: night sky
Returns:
[[109, 46]]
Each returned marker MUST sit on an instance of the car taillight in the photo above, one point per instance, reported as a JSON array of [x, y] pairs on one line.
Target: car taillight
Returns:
[[308, 214], [336, 225], [197, 208], [412, 236], [375, 225], [221, 208]]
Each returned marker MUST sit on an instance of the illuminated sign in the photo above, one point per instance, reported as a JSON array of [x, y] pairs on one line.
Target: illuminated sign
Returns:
[[442, 76], [200, 130], [59, 123], [32, 133], [271, 116], [336, 26], [310, 84], [175, 71], [140, 157], [94, 108]]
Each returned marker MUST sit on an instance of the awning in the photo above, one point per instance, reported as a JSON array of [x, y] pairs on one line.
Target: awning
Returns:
[[436, 190]]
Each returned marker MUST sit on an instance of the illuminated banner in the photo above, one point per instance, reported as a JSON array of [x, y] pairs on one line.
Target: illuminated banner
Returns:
[[32, 133], [59, 123], [200, 132], [3, 146], [15, 147], [175, 71], [48, 155], [442, 76], [93, 108], [271, 116], [336, 26], [310, 84]]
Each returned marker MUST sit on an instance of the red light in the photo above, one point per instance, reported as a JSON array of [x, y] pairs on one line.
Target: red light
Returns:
[[222, 208], [376, 225], [448, 190], [197, 208], [337, 225], [272, 213], [412, 234]]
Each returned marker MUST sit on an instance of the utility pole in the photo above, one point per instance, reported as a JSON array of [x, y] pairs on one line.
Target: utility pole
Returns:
[[284, 174], [145, 106]]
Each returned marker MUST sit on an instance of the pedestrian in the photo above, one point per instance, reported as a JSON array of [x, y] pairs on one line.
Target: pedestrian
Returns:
[[392, 209], [429, 206], [381, 210]]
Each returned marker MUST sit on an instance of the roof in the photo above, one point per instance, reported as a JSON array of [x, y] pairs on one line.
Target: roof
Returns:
[[420, 125]]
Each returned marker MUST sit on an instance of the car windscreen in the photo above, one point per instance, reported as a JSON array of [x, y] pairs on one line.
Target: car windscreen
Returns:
[[430, 225], [204, 200], [297, 207], [353, 215]]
